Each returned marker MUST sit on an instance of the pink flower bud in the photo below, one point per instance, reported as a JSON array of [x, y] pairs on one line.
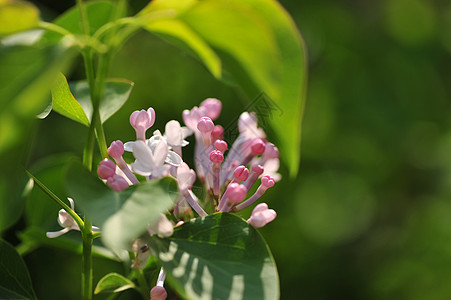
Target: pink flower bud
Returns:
[[257, 170], [257, 147], [271, 151], [117, 183], [268, 181], [216, 157], [236, 192], [106, 169], [158, 293], [205, 125], [241, 173], [221, 145], [116, 149], [261, 215], [212, 107], [143, 119], [217, 133]]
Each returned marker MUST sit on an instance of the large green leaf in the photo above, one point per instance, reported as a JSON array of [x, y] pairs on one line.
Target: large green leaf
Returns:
[[261, 49], [122, 216], [98, 14], [15, 282], [113, 283], [218, 257], [17, 16], [183, 36], [26, 74]]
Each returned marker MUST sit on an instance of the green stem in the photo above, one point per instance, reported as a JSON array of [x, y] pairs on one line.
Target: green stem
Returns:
[[55, 28], [87, 161], [60, 202], [87, 260], [144, 287], [89, 147]]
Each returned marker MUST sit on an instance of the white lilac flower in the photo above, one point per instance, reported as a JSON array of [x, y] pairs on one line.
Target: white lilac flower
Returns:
[[163, 227], [151, 157], [66, 221], [175, 136]]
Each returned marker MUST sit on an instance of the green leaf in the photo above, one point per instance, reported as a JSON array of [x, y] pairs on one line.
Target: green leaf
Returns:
[[183, 36], [218, 257], [17, 16], [267, 59], [74, 101], [64, 102], [292, 83], [15, 282], [122, 216], [26, 74], [113, 283], [98, 13], [115, 95]]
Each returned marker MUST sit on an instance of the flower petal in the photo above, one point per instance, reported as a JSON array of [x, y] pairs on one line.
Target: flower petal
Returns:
[[173, 159], [173, 133], [160, 153], [54, 234], [144, 155]]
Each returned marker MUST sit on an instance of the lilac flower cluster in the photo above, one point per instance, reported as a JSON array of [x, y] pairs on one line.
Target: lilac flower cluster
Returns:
[[228, 179]]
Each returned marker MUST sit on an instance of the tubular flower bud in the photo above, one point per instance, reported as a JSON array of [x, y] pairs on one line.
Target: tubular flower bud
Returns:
[[117, 183], [257, 147], [116, 149], [141, 121], [266, 183], [261, 215], [211, 107], [241, 173], [216, 157], [217, 133], [106, 169]]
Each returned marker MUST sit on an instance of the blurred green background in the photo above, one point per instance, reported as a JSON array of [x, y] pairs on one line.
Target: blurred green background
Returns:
[[369, 214]]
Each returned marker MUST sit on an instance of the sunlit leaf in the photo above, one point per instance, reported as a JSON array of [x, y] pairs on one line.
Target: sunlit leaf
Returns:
[[113, 283], [218, 257], [183, 36], [15, 282], [262, 52], [64, 102], [17, 16], [74, 102], [122, 216]]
